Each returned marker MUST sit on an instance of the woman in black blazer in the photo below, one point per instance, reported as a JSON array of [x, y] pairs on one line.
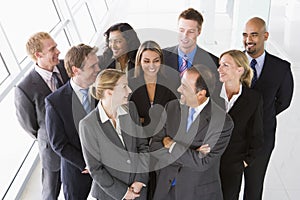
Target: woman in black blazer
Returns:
[[122, 43], [244, 105], [150, 92]]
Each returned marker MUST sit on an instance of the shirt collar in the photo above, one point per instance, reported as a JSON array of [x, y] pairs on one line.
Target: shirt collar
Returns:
[[45, 73], [260, 60], [199, 108], [190, 55], [103, 115]]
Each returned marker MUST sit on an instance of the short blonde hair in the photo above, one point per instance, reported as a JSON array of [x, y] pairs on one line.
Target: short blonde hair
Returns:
[[35, 44], [106, 79], [241, 60]]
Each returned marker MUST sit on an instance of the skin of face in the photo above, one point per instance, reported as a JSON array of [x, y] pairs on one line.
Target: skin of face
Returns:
[[228, 70], [254, 36], [87, 75], [48, 58], [187, 90], [120, 92], [188, 33], [150, 62], [118, 44]]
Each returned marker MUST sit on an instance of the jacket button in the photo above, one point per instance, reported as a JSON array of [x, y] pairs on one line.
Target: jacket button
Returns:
[[128, 161]]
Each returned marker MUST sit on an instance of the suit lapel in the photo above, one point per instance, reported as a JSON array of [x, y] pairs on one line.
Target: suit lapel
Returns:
[[39, 82]]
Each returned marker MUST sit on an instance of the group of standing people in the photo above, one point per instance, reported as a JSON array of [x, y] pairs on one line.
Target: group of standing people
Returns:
[[123, 125]]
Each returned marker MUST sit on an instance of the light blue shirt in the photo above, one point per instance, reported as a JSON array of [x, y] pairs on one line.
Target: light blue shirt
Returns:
[[260, 62], [190, 57]]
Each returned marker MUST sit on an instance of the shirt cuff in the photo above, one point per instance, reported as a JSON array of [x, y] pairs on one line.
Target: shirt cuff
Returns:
[[171, 147]]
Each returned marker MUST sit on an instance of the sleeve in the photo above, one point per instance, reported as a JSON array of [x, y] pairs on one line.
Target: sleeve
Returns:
[[26, 113], [217, 140], [90, 147], [255, 133], [58, 138], [285, 92]]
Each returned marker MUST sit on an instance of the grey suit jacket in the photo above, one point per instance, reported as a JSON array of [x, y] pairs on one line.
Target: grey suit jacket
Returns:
[[112, 166], [30, 109], [197, 175]]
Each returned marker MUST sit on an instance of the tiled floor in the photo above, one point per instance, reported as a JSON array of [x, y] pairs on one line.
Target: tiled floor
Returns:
[[282, 179]]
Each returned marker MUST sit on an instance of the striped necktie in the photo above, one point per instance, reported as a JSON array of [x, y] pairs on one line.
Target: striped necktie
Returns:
[[252, 65], [184, 65], [85, 100]]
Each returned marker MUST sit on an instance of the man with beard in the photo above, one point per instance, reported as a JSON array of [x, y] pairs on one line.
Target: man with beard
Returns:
[[273, 79]]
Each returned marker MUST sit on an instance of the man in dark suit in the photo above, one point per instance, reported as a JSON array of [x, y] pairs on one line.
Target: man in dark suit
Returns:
[[274, 80], [188, 152], [64, 109], [30, 105], [187, 53]]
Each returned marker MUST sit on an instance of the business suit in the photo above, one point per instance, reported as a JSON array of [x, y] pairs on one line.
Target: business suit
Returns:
[[276, 86], [112, 165], [201, 57], [245, 143], [30, 94], [197, 175], [63, 113]]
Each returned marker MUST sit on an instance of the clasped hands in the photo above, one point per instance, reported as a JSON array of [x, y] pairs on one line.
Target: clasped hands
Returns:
[[167, 142], [134, 190]]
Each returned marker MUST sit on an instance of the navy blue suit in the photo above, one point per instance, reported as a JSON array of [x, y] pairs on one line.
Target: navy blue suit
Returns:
[[63, 113]]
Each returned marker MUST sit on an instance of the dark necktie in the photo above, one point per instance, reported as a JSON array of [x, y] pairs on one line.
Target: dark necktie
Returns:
[[252, 65], [58, 83], [85, 100], [184, 65]]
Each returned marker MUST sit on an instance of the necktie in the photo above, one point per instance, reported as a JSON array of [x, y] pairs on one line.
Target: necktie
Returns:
[[85, 100], [57, 82], [190, 118], [184, 65], [252, 65]]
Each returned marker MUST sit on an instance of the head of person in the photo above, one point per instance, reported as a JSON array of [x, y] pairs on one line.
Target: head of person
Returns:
[[254, 36], [121, 39], [112, 85], [189, 27], [234, 67], [43, 50], [148, 60], [196, 85], [82, 64]]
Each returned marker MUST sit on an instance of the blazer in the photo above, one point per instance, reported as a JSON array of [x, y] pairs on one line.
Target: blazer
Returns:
[[197, 175], [201, 57], [30, 96], [63, 113], [276, 86], [114, 167], [141, 99], [247, 136]]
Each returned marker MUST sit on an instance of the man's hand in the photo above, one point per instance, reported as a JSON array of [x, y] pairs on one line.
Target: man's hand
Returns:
[[137, 187], [130, 194], [167, 142], [85, 171], [204, 149]]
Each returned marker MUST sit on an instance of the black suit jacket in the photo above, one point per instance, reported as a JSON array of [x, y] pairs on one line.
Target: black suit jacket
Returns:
[[276, 86], [141, 99], [247, 135], [201, 57], [30, 96], [197, 175], [63, 113]]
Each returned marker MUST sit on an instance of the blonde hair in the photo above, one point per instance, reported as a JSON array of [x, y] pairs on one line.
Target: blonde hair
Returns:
[[106, 79], [147, 45], [76, 56], [35, 44], [241, 60]]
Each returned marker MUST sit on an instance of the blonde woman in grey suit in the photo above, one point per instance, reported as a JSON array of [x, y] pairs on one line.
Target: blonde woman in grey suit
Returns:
[[114, 148]]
